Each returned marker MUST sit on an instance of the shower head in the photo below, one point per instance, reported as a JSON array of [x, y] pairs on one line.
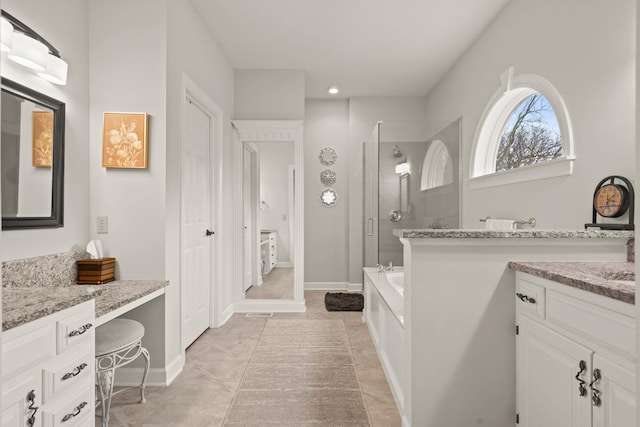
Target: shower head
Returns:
[[396, 151]]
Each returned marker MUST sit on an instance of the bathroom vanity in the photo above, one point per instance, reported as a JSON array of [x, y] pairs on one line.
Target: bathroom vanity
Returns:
[[575, 344], [458, 337], [48, 346]]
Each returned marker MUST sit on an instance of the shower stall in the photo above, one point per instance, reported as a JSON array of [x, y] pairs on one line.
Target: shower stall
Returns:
[[411, 180]]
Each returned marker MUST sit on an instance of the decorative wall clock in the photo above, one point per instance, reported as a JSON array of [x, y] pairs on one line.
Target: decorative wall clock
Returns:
[[612, 198]]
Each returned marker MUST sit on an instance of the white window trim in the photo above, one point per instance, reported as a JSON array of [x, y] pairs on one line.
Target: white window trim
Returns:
[[512, 91]]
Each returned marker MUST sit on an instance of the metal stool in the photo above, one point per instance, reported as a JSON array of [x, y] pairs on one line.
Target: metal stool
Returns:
[[118, 342]]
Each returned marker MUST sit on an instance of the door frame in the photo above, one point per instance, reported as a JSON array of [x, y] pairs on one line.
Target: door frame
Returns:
[[257, 131], [190, 90]]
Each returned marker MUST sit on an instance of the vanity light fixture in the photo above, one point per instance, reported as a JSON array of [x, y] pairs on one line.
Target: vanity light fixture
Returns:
[[27, 48], [28, 52], [6, 35], [56, 70], [333, 90]]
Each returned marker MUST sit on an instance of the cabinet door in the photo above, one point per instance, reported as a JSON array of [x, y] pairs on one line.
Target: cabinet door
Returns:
[[616, 389], [548, 393]]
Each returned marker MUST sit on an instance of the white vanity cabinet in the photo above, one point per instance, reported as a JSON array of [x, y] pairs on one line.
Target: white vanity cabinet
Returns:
[[48, 370], [269, 250], [575, 357]]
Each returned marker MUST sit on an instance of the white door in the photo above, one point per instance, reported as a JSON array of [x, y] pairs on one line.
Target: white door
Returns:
[[196, 222], [615, 388], [548, 392], [247, 192]]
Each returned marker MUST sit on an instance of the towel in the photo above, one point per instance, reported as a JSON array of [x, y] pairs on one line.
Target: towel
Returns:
[[500, 224]]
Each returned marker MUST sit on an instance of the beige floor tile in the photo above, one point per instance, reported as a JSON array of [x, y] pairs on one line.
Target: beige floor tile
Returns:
[[216, 363]]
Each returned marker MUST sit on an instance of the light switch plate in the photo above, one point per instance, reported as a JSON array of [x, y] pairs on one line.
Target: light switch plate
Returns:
[[103, 224]]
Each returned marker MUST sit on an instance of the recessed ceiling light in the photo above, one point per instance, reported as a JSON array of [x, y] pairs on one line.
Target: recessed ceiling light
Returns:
[[333, 90]]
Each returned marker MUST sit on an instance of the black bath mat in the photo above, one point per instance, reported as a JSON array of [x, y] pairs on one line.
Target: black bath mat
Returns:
[[341, 301]]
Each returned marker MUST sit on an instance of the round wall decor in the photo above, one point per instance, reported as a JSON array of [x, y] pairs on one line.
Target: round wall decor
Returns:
[[327, 156], [328, 177], [328, 197]]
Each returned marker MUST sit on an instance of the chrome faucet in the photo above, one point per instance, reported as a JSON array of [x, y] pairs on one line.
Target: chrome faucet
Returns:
[[390, 266], [380, 268]]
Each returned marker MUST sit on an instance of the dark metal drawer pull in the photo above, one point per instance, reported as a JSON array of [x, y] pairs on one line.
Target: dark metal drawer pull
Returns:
[[526, 298], [595, 393], [75, 413], [583, 367], [31, 400], [75, 372], [82, 330]]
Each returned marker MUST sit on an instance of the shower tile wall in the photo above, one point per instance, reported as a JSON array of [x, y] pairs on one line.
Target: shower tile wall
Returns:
[[434, 208], [390, 248]]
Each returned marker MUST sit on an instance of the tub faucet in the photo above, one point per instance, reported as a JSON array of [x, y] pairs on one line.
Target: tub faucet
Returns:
[[380, 268], [390, 266]]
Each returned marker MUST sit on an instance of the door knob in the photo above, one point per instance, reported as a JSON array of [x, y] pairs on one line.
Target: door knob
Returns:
[[209, 233]]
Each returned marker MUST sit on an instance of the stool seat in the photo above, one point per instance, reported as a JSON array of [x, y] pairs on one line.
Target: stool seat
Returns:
[[117, 334], [118, 342]]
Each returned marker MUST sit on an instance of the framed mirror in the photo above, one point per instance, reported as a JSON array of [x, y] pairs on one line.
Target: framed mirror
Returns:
[[32, 153]]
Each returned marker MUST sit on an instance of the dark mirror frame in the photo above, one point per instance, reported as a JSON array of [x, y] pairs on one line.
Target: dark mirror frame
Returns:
[[57, 195]]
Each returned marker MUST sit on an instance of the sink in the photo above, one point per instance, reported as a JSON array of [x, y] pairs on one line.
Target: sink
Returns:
[[618, 275]]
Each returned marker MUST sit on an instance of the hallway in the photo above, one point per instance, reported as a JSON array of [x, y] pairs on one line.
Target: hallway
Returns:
[[226, 377]]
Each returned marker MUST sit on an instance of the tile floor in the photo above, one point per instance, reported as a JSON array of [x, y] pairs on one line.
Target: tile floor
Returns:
[[216, 363], [277, 284]]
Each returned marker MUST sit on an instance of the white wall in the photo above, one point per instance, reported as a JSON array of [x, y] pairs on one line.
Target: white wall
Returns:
[[326, 124], [53, 21], [587, 51], [269, 95]]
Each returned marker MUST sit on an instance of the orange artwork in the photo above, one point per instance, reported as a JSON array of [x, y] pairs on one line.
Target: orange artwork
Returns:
[[42, 145], [125, 140]]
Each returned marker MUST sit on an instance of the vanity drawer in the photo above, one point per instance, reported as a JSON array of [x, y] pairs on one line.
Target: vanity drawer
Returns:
[[74, 329], [593, 321], [20, 352], [72, 410], [530, 298], [66, 372]]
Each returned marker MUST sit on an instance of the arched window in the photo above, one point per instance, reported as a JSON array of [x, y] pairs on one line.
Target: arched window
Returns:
[[524, 134]]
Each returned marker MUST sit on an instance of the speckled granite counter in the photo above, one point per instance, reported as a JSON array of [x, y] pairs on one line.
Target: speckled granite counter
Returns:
[[22, 305], [612, 279], [121, 292], [515, 234]]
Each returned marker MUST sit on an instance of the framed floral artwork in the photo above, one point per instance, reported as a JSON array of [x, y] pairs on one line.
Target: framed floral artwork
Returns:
[[42, 138], [125, 140]]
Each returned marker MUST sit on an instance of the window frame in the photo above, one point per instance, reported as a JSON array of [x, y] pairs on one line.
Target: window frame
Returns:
[[512, 91]]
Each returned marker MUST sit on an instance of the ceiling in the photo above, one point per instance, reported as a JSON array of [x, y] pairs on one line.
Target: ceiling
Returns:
[[365, 47]]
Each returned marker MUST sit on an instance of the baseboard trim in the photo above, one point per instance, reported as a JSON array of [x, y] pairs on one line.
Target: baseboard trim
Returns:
[[285, 264], [158, 377], [269, 306], [355, 287], [332, 286]]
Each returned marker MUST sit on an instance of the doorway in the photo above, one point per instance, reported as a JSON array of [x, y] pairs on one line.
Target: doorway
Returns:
[[276, 242], [200, 211]]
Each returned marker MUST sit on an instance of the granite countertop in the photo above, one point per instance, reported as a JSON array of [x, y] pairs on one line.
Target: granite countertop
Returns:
[[21, 305], [121, 292], [612, 279], [515, 234]]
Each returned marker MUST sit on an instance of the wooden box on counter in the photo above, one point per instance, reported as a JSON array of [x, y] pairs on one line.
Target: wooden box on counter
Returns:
[[96, 271]]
